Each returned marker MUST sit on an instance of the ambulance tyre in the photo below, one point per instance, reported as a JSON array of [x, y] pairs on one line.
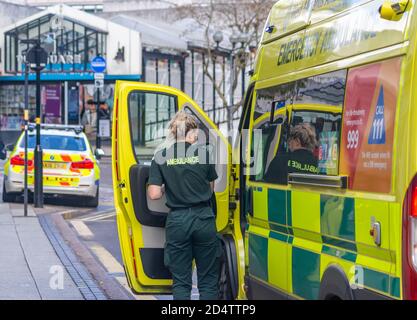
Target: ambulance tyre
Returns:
[[224, 286], [7, 197], [92, 202], [228, 270]]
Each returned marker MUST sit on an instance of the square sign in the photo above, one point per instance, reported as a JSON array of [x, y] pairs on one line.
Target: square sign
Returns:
[[104, 128], [99, 76], [98, 84]]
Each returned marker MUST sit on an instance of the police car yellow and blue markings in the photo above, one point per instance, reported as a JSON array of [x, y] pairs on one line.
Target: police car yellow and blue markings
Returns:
[[71, 178], [281, 234]]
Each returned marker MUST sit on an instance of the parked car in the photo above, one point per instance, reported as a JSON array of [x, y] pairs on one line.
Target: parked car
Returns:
[[69, 165]]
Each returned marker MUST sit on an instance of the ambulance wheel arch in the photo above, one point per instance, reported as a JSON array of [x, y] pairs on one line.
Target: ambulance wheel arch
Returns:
[[335, 285]]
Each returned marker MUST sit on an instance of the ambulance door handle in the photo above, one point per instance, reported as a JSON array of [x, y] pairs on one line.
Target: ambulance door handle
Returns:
[[316, 180], [375, 231]]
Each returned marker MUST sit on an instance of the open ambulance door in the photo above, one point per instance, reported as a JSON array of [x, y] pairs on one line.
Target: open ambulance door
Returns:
[[141, 113]]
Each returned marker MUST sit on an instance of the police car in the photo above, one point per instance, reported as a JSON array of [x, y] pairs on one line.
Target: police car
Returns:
[[69, 166]]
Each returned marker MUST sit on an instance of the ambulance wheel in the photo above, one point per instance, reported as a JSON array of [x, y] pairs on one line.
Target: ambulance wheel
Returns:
[[228, 282], [92, 202], [225, 291], [7, 197]]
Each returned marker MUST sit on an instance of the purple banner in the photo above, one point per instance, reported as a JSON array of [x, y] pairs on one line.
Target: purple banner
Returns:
[[52, 102]]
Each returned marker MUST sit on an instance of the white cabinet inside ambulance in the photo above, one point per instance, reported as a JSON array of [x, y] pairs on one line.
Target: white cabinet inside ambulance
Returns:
[[69, 166], [141, 115]]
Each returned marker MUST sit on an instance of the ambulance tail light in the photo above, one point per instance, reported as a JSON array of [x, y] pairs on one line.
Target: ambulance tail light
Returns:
[[19, 161], [85, 164], [409, 253]]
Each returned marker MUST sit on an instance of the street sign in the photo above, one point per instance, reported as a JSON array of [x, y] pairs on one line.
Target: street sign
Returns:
[[98, 64], [98, 83], [99, 76], [104, 128]]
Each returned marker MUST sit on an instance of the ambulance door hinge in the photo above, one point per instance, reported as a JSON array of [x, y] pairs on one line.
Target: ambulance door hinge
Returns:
[[233, 172], [233, 199], [232, 205], [237, 194], [122, 187]]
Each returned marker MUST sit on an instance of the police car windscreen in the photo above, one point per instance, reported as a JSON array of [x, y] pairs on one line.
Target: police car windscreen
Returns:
[[55, 142]]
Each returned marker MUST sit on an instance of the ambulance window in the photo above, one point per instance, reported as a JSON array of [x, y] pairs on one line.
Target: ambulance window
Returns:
[[310, 143], [324, 91], [270, 128], [325, 127], [149, 116], [201, 126], [216, 147]]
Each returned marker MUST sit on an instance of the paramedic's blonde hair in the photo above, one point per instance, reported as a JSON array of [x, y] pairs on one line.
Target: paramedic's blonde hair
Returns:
[[181, 124], [305, 134]]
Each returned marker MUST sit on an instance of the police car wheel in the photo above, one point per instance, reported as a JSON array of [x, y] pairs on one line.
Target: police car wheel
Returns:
[[92, 202], [7, 197]]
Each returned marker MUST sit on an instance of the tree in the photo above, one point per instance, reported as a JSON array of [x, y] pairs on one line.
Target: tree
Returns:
[[243, 21]]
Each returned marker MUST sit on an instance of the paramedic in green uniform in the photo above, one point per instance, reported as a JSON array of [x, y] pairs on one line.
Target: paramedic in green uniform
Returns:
[[183, 171], [301, 159]]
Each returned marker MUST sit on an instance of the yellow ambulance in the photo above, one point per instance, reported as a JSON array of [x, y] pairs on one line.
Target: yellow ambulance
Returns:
[[348, 230]]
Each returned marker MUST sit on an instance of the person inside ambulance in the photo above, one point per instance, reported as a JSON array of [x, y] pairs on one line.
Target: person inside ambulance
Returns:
[[302, 143], [185, 172]]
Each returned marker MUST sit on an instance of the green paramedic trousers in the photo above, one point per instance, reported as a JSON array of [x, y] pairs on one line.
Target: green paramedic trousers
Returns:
[[191, 234]]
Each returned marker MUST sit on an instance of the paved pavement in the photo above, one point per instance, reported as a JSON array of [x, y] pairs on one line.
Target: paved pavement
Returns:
[[35, 261], [34, 256], [29, 266], [97, 229]]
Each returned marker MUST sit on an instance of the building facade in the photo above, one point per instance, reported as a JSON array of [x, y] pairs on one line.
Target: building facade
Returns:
[[67, 81], [137, 46], [174, 57]]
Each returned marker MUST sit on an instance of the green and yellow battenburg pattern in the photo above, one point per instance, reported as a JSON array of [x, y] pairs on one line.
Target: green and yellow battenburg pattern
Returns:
[[294, 236], [297, 232]]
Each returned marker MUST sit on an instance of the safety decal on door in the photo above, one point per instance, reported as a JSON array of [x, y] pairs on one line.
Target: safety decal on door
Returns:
[[368, 125]]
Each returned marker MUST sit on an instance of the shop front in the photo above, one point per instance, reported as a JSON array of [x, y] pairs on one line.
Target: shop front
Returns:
[[67, 82]]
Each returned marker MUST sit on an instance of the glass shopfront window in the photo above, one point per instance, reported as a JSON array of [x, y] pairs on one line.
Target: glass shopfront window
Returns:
[[200, 87], [12, 104], [88, 112], [163, 69], [75, 45]]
